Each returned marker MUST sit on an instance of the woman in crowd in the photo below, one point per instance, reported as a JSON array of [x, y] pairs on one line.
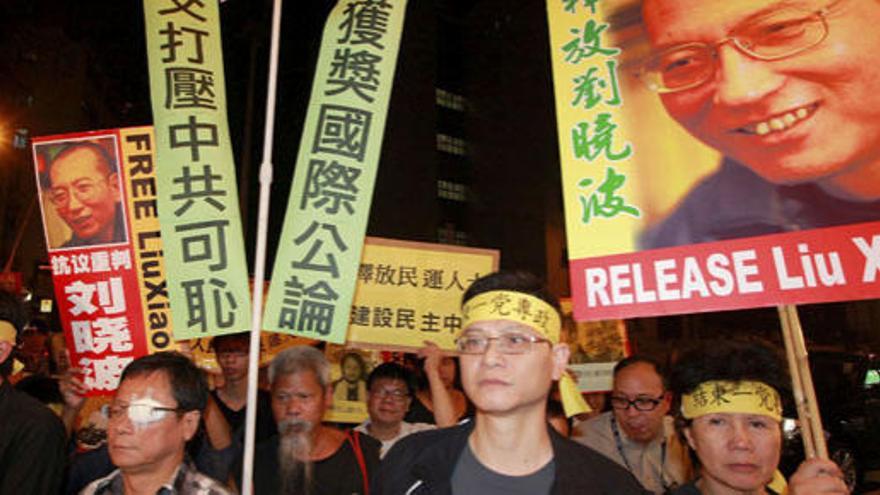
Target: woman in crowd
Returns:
[[435, 378], [730, 415]]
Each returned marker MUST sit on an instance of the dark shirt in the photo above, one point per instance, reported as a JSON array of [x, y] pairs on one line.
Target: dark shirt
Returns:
[[423, 464], [735, 202], [32, 445], [471, 476], [419, 413], [336, 475], [266, 427]]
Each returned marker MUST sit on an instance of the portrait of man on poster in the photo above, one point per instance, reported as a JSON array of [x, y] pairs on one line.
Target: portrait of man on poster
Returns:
[[788, 92], [81, 189]]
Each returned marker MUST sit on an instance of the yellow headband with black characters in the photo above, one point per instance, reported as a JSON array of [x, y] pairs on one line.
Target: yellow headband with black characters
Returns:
[[534, 313], [531, 311], [7, 332], [746, 397]]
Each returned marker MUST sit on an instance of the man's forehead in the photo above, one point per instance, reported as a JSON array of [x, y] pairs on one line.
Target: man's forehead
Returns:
[[499, 326], [83, 159], [638, 378], [155, 384], [300, 379], [671, 21], [387, 382]]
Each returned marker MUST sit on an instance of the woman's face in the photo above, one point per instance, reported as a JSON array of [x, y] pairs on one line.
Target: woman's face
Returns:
[[737, 451]]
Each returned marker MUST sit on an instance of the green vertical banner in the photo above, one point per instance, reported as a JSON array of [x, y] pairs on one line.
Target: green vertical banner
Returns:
[[319, 251], [198, 200]]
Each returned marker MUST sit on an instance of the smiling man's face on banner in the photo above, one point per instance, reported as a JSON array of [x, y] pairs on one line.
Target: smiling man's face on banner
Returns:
[[790, 89]]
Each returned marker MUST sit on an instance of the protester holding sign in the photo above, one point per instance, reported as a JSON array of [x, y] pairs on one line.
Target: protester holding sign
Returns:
[[510, 355], [730, 415]]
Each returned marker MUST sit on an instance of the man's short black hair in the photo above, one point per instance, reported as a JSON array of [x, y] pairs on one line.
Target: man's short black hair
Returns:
[[106, 158], [13, 311], [641, 358], [392, 371], [188, 384], [220, 341], [516, 281]]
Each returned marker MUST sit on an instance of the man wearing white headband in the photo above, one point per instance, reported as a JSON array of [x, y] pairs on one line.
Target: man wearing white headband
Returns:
[[730, 415], [32, 438], [510, 355], [157, 408]]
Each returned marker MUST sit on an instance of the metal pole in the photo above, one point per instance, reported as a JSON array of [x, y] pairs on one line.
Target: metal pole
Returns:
[[260, 257]]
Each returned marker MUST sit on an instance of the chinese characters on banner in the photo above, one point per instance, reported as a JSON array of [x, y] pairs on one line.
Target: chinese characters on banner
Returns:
[[201, 226], [97, 197], [319, 251], [410, 292], [660, 220]]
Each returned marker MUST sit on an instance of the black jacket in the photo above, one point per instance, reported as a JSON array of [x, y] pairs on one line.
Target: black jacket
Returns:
[[422, 464]]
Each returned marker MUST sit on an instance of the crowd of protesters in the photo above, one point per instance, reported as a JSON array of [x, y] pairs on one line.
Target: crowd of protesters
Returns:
[[711, 426]]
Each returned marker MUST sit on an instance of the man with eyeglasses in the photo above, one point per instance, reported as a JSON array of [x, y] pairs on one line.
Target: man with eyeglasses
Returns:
[[156, 410], [510, 355], [83, 186], [637, 433], [789, 93]]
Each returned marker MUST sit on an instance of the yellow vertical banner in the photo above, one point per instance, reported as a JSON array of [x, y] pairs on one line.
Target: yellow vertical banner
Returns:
[[410, 292], [197, 196], [602, 210], [139, 175]]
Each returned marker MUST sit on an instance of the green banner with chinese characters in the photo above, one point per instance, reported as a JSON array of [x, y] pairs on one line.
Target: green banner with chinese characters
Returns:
[[319, 251], [198, 200]]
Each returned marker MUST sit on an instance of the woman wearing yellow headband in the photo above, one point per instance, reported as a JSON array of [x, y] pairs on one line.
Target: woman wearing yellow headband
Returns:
[[730, 416]]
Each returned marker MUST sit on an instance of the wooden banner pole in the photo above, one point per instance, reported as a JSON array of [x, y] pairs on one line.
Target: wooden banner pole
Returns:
[[802, 383]]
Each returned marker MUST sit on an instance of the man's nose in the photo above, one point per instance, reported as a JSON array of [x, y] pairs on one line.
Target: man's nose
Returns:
[[493, 356], [74, 203], [742, 79]]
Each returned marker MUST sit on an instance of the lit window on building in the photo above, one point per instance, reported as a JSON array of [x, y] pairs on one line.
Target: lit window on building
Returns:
[[451, 145], [451, 190]]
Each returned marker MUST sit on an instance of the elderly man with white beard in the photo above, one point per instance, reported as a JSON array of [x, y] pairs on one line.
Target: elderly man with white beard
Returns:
[[308, 457]]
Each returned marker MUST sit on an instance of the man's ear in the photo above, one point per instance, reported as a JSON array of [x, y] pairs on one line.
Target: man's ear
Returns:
[[190, 420], [113, 183], [561, 353], [328, 396]]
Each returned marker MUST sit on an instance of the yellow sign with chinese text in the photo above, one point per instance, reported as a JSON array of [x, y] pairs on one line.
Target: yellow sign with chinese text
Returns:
[[410, 292]]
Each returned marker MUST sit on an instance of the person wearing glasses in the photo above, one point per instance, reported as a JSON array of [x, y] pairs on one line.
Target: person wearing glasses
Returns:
[[83, 186], [156, 410], [637, 433], [731, 394], [510, 355], [788, 92], [390, 390]]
